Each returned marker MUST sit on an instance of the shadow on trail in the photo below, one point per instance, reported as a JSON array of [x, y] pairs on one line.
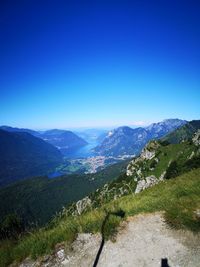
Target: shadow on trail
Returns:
[[119, 213], [164, 263]]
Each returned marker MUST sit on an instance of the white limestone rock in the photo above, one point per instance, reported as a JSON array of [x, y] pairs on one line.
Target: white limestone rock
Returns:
[[196, 138], [61, 254], [140, 186], [128, 172], [146, 154], [146, 183], [139, 172]]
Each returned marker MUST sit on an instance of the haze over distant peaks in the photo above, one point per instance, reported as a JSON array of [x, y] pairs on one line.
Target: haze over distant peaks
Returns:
[[23, 155], [65, 141], [15, 129]]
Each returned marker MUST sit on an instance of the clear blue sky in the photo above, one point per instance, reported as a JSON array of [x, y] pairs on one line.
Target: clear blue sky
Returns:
[[97, 63]]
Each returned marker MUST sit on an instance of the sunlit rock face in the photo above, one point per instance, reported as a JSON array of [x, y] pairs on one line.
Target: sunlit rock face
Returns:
[[196, 138], [146, 183]]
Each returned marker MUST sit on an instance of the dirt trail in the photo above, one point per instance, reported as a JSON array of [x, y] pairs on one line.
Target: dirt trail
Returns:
[[142, 242]]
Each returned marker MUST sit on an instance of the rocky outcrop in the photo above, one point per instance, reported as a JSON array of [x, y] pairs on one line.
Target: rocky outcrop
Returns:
[[139, 166], [148, 153], [196, 138], [146, 183], [129, 171]]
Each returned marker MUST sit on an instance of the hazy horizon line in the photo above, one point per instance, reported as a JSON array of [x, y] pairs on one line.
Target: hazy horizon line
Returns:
[[133, 124]]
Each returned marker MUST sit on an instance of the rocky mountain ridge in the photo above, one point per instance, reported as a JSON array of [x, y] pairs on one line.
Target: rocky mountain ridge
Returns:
[[156, 163], [183, 133], [125, 140], [65, 141]]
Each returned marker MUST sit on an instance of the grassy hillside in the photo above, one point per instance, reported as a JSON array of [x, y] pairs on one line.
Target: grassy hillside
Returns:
[[165, 155], [183, 133], [166, 161], [38, 199], [179, 198]]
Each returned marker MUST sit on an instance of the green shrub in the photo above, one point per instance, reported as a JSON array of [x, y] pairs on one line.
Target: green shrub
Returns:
[[11, 227], [172, 170]]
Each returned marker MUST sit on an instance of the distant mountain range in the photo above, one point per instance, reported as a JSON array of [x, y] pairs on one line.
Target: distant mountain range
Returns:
[[92, 135], [15, 129], [65, 141], [23, 155], [125, 140]]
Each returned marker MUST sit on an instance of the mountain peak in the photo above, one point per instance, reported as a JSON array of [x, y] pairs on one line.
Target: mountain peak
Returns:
[[128, 141]]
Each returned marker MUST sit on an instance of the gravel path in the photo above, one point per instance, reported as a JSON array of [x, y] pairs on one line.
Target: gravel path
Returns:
[[142, 241]]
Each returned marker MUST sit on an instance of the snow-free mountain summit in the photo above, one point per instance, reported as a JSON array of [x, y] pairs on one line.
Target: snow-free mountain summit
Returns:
[[127, 141]]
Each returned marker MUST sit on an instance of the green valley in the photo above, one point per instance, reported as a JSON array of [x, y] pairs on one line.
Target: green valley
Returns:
[[164, 177]]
